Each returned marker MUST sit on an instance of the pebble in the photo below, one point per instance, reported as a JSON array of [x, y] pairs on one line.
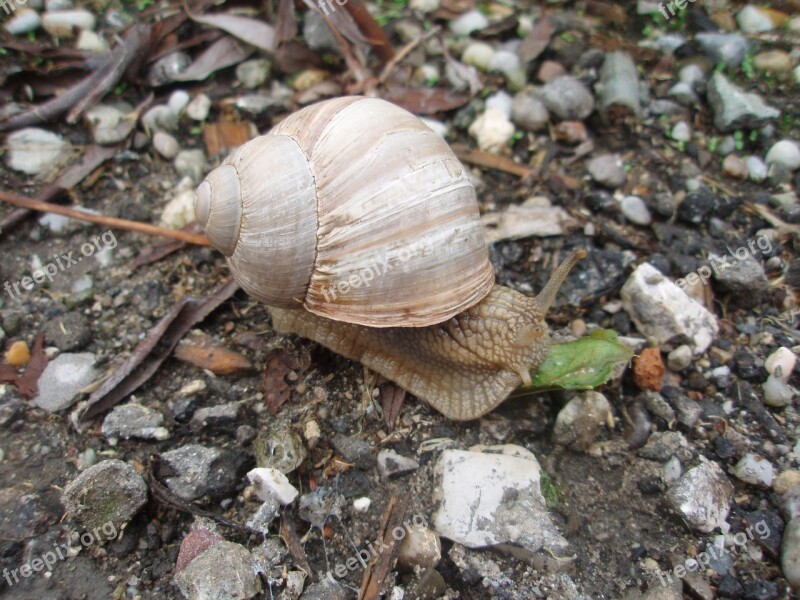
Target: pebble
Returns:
[[607, 170], [105, 496], [744, 279], [361, 505], [425, 6], [479, 55], [18, 354], [271, 484], [23, 22], [316, 33], [61, 23], [224, 570], [179, 211], [785, 153], [500, 101], [134, 421], [392, 465], [199, 107], [693, 75], [92, 42], [663, 310], [757, 168], [567, 98], [472, 20], [635, 210], [280, 447], [178, 100], [192, 164], [35, 151], [682, 132], [735, 167], [63, 379], [104, 122], [786, 480], [492, 497], [773, 61], [550, 70], [492, 130], [421, 547], [166, 145], [663, 445], [354, 451], [752, 19], [507, 63], [790, 553], [728, 48], [777, 392], [570, 132], [253, 73], [580, 421], [754, 470], [440, 128], [158, 117], [199, 470], [197, 541], [781, 363], [683, 94], [702, 496], [736, 109], [680, 358]]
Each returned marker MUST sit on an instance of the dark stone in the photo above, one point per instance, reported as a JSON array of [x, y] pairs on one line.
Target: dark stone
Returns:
[[353, 483], [621, 323], [68, 332], [184, 408], [728, 587], [766, 529], [744, 365], [760, 590], [660, 262], [600, 201], [725, 448], [355, 451], [696, 207], [650, 485]]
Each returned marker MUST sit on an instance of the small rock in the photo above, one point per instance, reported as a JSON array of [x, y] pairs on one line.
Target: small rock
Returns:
[[191, 163], [91, 42], [472, 20], [420, 547], [702, 496], [493, 497], [61, 24], [743, 278], [108, 124], [790, 553], [425, 6], [166, 145], [327, 589], [781, 363], [134, 421], [178, 101], [24, 21], [105, 496], [607, 170], [580, 421], [507, 63], [35, 151], [215, 420], [550, 70], [570, 132], [271, 484], [786, 481], [736, 109], [194, 544], [18, 354], [735, 167], [354, 451], [752, 19], [392, 465], [161, 117], [253, 73], [196, 471], [567, 98], [680, 358], [635, 210], [777, 392], [529, 112], [754, 470], [500, 101], [226, 570], [682, 132], [179, 211], [663, 445], [199, 107], [479, 55], [281, 448], [693, 74], [661, 309], [264, 516], [776, 62], [492, 130], [63, 379], [683, 94], [361, 505], [757, 168], [785, 153], [728, 48]]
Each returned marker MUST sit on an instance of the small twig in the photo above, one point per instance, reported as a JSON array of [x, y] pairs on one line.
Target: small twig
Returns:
[[113, 222], [403, 52], [491, 161]]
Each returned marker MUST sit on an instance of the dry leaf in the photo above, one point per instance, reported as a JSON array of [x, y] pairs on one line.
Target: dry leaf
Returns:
[[226, 136], [536, 41], [223, 53], [201, 351], [526, 220], [425, 101], [254, 32]]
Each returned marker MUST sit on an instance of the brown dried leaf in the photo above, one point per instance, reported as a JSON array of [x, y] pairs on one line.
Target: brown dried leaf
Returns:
[[225, 136], [392, 398], [223, 53], [254, 32], [28, 381], [202, 352], [155, 348], [536, 41], [273, 382], [425, 101], [286, 26], [294, 56]]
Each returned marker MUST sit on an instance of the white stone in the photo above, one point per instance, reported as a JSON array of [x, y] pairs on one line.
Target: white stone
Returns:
[[777, 392], [62, 22], [199, 107], [23, 21], [672, 470], [271, 484], [663, 310], [580, 421], [479, 55], [179, 211], [635, 210], [63, 379], [253, 73], [492, 130], [420, 547], [425, 6], [91, 42], [178, 100], [190, 163], [35, 151], [472, 20], [790, 553], [166, 145], [505, 62], [754, 470], [682, 132], [158, 117], [786, 153], [680, 358], [753, 20], [783, 359], [500, 101], [757, 168], [361, 505], [702, 496]]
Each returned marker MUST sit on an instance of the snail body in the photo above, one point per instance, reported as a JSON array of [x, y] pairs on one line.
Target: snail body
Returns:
[[358, 226]]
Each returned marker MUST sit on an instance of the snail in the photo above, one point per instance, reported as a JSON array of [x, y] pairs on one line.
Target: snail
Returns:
[[359, 228]]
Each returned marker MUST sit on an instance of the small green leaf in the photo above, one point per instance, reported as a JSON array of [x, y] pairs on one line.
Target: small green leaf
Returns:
[[582, 364]]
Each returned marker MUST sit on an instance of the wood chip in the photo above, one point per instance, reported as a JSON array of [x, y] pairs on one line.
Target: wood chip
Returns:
[[377, 572], [225, 136], [201, 351]]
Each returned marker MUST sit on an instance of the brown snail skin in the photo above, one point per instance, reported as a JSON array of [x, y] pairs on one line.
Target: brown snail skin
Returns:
[[359, 228]]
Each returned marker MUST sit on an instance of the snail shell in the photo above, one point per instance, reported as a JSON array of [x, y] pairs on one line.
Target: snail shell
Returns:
[[353, 209]]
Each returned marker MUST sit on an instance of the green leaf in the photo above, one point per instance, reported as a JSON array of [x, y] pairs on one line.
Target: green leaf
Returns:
[[582, 364]]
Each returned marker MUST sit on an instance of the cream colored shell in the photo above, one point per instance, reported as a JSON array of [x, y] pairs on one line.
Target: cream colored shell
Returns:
[[355, 210]]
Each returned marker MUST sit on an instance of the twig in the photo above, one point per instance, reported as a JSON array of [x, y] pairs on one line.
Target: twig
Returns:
[[114, 222], [375, 575], [491, 161], [374, 33], [403, 52]]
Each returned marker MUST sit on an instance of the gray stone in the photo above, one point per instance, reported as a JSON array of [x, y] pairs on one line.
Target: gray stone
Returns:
[[391, 464], [105, 497], [134, 421], [635, 210], [663, 445], [166, 145], [466, 23], [191, 163], [253, 73], [736, 109], [198, 471], [327, 589], [354, 451], [785, 153], [62, 23], [579, 423], [743, 278], [607, 170], [728, 48], [567, 98], [67, 332], [63, 379], [161, 117], [528, 112], [682, 132], [702, 496], [683, 93], [751, 19], [680, 358], [790, 553], [754, 470], [316, 33], [23, 21], [222, 572], [199, 107], [35, 151], [756, 168], [223, 418]]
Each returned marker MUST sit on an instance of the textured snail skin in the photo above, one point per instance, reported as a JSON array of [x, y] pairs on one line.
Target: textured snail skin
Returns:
[[463, 367]]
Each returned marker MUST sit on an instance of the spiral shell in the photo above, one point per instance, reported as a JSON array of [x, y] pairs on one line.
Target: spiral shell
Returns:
[[353, 209]]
